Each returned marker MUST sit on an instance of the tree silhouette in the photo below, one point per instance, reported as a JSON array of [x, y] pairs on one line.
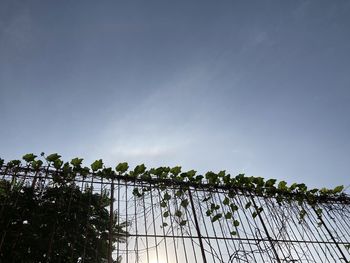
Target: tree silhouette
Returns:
[[56, 223]]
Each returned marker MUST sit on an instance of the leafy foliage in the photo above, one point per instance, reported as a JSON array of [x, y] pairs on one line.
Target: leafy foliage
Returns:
[[57, 222], [162, 177]]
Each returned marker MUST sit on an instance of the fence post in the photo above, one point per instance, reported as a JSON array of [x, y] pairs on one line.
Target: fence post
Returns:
[[197, 227], [330, 233], [265, 229], [111, 219]]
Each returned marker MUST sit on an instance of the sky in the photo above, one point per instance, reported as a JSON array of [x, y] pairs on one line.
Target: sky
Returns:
[[254, 87]]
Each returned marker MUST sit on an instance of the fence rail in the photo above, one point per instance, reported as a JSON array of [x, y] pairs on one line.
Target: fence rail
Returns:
[[277, 234]]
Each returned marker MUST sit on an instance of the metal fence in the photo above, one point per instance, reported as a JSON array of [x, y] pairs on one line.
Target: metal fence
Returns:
[[276, 235]]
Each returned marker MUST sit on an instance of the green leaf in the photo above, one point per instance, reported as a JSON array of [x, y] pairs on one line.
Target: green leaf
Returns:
[[302, 187], [209, 212], [259, 181], [96, 165], [184, 203], [37, 164], [145, 176], [233, 207], [14, 163], [248, 205], [228, 215], [226, 179], [216, 218], [293, 186], [240, 177], [167, 196], [302, 214], [58, 163], [191, 173], [226, 201], [122, 167], [212, 178], [76, 162], [222, 173], [254, 214], [183, 222], [338, 189], [210, 175], [231, 194], [178, 213], [270, 183], [136, 192], [282, 185], [139, 169], [165, 224], [53, 157], [214, 206], [199, 178], [166, 214], [178, 178], [175, 170], [163, 204], [233, 233], [29, 157], [313, 191], [235, 223], [107, 173], [178, 193]]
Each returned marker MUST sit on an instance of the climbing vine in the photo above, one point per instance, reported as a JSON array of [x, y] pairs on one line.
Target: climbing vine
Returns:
[[162, 178]]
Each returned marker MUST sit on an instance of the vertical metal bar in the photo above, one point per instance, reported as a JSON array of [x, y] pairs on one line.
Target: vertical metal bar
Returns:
[[219, 254], [238, 200], [172, 231], [126, 220], [88, 216], [136, 229], [270, 225], [146, 226], [118, 214], [197, 226], [164, 235], [154, 225], [330, 234], [111, 219], [321, 233], [266, 232], [189, 219], [295, 214], [338, 223], [223, 227], [212, 252], [333, 253], [279, 218], [181, 230]]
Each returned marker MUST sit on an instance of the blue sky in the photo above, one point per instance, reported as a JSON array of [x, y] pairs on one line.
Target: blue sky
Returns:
[[260, 87]]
